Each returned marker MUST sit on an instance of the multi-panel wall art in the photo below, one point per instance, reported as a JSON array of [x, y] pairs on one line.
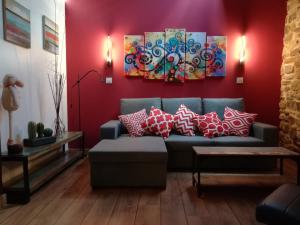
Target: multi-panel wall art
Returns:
[[50, 36], [155, 54], [134, 55], [175, 55], [16, 21], [195, 52], [216, 56]]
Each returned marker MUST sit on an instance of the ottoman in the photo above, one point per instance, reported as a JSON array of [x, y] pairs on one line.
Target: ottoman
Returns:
[[129, 162], [282, 207]]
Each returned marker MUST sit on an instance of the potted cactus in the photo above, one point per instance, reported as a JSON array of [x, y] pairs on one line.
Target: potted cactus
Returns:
[[37, 135]]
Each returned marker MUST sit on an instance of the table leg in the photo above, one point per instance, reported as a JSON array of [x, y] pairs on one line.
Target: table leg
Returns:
[[194, 169], [298, 171], [281, 166], [26, 180], [198, 178], [64, 148], [82, 145]]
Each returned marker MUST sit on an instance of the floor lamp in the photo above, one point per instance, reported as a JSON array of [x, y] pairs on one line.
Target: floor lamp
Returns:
[[79, 80]]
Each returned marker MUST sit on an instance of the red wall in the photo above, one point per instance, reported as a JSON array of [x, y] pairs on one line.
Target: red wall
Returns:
[[89, 21], [265, 30]]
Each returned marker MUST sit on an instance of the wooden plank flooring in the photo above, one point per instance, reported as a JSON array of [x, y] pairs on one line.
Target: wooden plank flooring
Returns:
[[69, 200]]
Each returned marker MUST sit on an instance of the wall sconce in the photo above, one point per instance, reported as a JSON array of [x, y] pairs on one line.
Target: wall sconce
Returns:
[[108, 51], [242, 54]]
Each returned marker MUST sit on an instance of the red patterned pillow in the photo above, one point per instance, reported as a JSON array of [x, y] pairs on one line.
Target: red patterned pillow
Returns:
[[211, 125], [239, 123], [133, 121], [159, 123], [183, 121]]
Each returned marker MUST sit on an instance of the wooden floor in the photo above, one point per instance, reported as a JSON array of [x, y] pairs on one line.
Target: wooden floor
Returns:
[[69, 200]]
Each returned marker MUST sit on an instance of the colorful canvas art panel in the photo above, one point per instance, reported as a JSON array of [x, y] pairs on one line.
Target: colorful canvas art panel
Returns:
[[175, 55], [16, 20], [215, 56], [154, 55], [194, 63], [51, 36], [134, 51]]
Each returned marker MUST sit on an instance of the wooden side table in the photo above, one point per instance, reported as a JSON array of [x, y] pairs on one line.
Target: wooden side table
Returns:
[[20, 191], [201, 153]]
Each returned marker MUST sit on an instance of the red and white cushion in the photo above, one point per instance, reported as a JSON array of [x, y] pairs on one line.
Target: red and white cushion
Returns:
[[158, 122], [211, 125], [239, 123], [183, 121], [133, 121]]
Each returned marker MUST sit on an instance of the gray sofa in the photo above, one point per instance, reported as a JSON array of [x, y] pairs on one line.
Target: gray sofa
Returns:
[[120, 160], [180, 147]]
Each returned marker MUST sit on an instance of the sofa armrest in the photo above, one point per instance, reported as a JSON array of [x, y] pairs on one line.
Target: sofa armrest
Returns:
[[110, 130], [266, 132]]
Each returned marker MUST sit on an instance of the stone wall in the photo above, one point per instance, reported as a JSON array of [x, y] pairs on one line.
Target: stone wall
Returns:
[[290, 80]]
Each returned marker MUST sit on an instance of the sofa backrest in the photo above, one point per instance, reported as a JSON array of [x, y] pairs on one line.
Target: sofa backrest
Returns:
[[170, 105], [131, 105], [218, 105]]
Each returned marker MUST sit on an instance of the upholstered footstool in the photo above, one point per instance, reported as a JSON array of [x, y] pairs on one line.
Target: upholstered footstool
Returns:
[[129, 162], [282, 207]]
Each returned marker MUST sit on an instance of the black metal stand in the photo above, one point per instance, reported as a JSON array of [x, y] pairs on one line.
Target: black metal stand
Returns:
[[77, 83]]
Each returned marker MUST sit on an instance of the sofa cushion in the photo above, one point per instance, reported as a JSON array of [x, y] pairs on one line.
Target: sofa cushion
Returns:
[[238, 141], [239, 123], [218, 105], [180, 151], [170, 105], [211, 125], [184, 143], [131, 105], [128, 149], [133, 121], [184, 121], [158, 123]]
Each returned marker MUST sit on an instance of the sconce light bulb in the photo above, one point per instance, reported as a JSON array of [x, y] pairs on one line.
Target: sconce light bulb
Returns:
[[242, 49], [108, 50]]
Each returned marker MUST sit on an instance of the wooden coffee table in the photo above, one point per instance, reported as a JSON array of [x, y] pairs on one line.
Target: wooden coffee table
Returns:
[[201, 153]]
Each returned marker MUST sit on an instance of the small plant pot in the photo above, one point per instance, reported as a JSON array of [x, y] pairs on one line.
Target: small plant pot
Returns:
[[39, 141]]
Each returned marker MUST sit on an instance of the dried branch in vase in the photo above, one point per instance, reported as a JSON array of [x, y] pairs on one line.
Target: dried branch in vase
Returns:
[[57, 84]]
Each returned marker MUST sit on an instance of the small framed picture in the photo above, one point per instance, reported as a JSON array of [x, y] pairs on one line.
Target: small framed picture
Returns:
[[50, 36], [16, 23]]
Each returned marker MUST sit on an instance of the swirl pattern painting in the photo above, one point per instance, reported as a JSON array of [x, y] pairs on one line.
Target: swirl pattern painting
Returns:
[[134, 51], [195, 64], [175, 55], [215, 56], [154, 55]]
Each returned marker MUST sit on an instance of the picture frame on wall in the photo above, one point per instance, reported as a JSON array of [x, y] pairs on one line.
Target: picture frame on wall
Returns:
[[16, 23], [50, 36]]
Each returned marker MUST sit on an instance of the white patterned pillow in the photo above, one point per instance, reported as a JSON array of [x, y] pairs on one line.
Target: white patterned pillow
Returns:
[[183, 121], [239, 123], [133, 121]]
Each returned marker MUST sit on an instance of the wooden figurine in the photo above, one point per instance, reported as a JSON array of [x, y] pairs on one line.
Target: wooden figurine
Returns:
[[10, 102]]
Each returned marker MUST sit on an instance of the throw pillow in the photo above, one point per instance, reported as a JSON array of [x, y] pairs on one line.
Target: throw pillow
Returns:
[[239, 123], [183, 121], [133, 121], [159, 123], [211, 125]]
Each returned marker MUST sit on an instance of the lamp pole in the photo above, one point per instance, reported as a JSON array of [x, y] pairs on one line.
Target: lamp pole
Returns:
[[77, 83]]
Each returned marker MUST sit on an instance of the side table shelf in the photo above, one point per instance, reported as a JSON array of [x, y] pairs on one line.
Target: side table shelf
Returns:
[[20, 191]]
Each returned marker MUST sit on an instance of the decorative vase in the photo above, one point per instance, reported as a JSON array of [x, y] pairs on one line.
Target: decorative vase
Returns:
[[57, 83], [59, 125]]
